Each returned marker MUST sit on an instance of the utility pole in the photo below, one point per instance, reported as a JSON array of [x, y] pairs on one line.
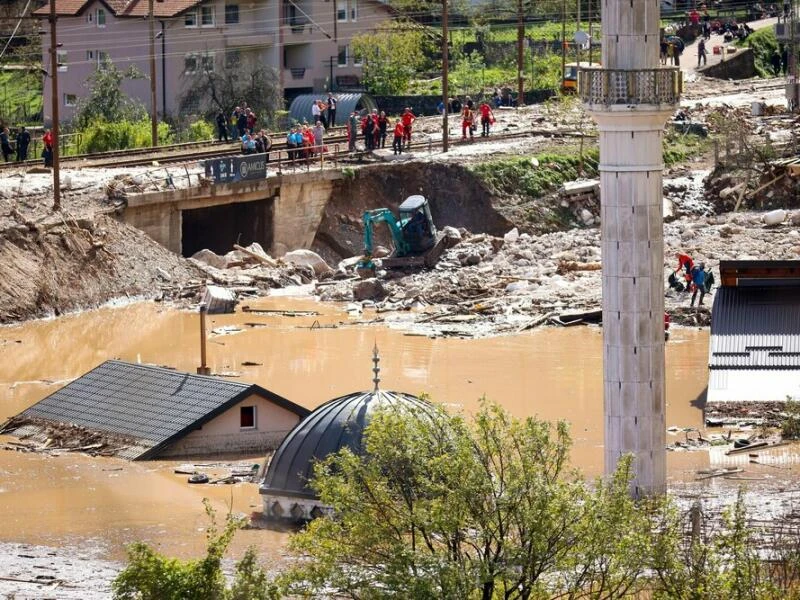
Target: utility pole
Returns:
[[563, 38], [445, 67], [578, 28], [591, 32], [520, 56], [153, 101], [792, 66], [54, 90]]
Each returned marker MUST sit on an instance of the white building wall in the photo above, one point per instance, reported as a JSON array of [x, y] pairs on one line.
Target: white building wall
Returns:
[[223, 434]]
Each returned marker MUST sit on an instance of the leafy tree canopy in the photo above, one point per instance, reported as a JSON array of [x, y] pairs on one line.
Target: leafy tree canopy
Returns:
[[244, 80], [106, 100], [439, 507], [392, 56]]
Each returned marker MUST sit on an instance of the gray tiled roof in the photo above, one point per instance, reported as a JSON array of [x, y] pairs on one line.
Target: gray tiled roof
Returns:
[[153, 405], [755, 328]]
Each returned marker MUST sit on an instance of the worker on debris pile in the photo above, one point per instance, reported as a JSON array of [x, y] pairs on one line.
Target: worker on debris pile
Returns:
[[685, 263], [698, 283]]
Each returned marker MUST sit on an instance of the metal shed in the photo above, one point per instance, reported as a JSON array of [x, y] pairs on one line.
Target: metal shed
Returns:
[[754, 350], [301, 106]]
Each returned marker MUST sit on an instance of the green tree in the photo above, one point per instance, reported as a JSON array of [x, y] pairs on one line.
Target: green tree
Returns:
[[153, 576], [106, 101], [392, 56], [244, 79], [439, 507]]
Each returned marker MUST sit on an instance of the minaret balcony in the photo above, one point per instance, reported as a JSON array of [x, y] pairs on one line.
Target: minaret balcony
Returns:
[[599, 88]]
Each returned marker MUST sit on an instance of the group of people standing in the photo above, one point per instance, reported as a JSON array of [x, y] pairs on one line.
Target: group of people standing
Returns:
[[23, 142], [374, 127], [303, 141], [324, 112]]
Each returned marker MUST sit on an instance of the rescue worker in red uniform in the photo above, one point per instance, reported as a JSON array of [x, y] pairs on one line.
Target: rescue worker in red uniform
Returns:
[[685, 263], [467, 118], [399, 132], [487, 118], [408, 120]]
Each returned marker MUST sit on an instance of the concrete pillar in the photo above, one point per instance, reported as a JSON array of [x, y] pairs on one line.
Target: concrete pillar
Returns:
[[630, 98]]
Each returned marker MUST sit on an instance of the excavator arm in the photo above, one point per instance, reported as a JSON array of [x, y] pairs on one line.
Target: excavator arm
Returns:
[[383, 215]]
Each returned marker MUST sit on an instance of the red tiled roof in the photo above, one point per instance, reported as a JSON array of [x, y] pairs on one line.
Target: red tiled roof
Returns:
[[121, 8], [63, 8], [161, 8]]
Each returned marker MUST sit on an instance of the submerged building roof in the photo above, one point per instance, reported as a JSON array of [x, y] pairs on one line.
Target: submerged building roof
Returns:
[[335, 425], [754, 350], [154, 406]]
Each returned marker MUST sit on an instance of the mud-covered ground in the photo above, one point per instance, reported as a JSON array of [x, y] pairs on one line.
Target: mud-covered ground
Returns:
[[83, 255], [29, 572]]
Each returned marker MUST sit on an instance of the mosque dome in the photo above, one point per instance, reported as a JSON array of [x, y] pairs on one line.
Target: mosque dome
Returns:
[[335, 425]]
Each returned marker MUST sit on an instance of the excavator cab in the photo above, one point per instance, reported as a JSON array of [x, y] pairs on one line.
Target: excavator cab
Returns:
[[416, 223], [416, 241]]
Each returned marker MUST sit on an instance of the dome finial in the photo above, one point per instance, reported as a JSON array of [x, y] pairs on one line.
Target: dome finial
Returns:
[[376, 359]]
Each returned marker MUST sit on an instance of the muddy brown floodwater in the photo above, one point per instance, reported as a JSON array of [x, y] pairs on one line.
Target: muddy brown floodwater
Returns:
[[108, 503]]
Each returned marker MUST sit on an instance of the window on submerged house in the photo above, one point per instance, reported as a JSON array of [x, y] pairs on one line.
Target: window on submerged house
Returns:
[[247, 417]]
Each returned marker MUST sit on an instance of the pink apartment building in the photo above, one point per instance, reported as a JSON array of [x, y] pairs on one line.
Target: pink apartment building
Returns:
[[307, 41]]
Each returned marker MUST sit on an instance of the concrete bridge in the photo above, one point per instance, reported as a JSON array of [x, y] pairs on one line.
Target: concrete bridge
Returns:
[[281, 213]]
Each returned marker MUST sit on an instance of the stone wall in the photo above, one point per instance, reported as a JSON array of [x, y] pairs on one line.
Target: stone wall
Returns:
[[740, 65]]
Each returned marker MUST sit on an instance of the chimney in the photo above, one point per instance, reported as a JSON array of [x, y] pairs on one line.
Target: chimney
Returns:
[[203, 368]]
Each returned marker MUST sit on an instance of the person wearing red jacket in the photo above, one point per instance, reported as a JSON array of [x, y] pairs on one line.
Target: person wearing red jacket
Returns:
[[467, 119], [686, 264], [47, 154], [487, 118], [399, 133], [408, 120]]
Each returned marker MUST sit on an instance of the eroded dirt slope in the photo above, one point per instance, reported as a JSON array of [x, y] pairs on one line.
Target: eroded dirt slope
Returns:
[[65, 264]]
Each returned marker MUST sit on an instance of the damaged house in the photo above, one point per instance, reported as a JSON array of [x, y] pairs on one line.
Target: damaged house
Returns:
[[147, 412]]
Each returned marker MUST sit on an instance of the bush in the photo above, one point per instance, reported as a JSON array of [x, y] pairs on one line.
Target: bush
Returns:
[[201, 131], [102, 136], [153, 576], [765, 47], [790, 427]]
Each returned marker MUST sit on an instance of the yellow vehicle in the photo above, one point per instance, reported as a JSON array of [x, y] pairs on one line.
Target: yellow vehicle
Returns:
[[569, 82]]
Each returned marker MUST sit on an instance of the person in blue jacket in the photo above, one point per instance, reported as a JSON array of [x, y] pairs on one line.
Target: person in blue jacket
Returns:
[[698, 282]]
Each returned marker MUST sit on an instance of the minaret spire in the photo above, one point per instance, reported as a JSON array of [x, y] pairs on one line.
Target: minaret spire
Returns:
[[376, 359]]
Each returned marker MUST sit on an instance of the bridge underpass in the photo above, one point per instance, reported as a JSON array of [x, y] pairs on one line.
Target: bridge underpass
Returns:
[[280, 213]]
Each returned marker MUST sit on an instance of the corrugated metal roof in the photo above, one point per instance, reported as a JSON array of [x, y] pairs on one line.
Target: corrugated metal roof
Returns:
[[151, 404], [337, 424], [346, 103], [755, 328]]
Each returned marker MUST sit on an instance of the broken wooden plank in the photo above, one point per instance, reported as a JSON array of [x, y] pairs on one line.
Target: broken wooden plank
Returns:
[[270, 262], [721, 473]]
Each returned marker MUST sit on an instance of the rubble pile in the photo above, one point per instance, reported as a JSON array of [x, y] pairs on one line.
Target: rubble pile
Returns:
[[487, 285], [57, 438], [250, 270]]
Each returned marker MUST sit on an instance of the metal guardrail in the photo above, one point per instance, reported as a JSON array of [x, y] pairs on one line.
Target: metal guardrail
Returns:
[[607, 87]]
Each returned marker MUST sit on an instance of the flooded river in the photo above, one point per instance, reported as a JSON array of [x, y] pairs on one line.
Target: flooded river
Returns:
[[107, 503]]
